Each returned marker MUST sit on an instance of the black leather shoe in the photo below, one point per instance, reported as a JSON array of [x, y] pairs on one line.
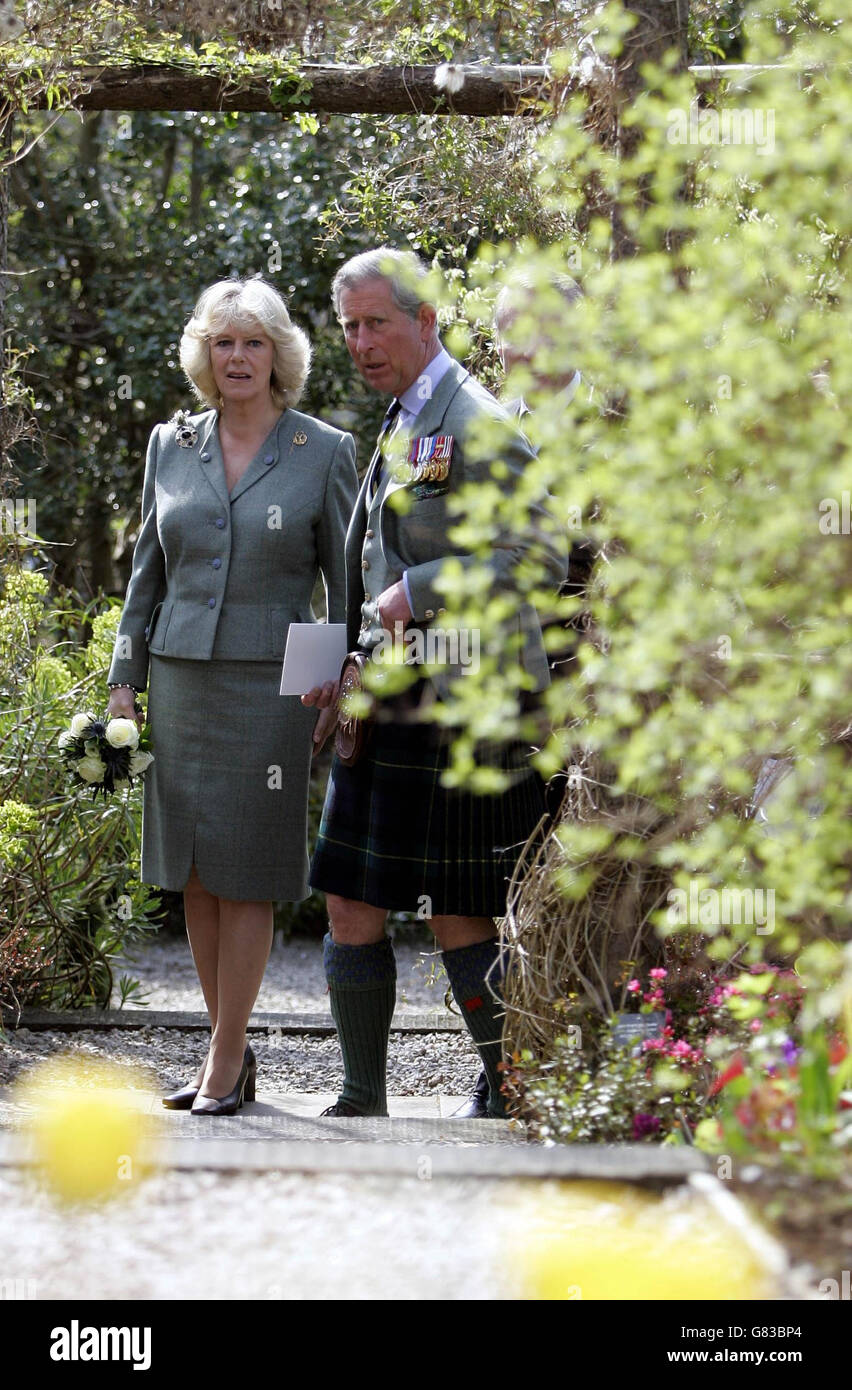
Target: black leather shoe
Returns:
[[476, 1105], [343, 1109], [182, 1099], [185, 1097]]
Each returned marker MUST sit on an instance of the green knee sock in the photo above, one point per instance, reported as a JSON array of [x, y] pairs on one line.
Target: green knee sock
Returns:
[[362, 986], [466, 969]]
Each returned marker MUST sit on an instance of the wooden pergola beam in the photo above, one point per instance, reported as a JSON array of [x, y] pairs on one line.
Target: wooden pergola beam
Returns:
[[485, 91], [499, 90]]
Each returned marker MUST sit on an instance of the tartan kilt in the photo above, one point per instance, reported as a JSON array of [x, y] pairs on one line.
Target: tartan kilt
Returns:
[[391, 834]]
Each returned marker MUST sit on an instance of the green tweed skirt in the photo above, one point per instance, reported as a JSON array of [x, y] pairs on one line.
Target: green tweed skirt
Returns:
[[228, 788]]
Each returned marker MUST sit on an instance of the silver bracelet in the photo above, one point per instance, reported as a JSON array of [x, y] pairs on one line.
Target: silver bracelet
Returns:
[[121, 685]]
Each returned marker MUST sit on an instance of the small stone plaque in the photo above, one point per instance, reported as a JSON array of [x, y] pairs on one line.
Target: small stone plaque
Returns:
[[635, 1028]]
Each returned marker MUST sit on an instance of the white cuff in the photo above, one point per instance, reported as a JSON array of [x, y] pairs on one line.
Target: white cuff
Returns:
[[407, 591]]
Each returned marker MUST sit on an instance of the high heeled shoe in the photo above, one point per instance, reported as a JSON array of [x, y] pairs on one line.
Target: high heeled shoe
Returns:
[[183, 1099], [233, 1101]]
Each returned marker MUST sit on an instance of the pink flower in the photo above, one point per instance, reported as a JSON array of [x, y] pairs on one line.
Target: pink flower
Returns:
[[658, 973], [633, 986], [755, 1025], [681, 1049]]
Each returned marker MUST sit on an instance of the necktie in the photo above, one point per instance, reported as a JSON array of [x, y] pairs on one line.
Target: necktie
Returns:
[[387, 425]]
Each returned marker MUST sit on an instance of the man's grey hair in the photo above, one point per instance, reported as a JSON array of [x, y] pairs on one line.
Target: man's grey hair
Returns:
[[405, 274], [520, 288]]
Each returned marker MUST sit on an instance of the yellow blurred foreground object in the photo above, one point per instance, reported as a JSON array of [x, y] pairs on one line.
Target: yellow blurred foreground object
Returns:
[[91, 1134], [589, 1240]]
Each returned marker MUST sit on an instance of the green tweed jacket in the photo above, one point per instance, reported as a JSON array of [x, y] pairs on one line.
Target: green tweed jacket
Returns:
[[219, 575], [386, 539]]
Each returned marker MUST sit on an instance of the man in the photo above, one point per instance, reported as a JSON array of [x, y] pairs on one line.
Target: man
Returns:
[[392, 838], [531, 330]]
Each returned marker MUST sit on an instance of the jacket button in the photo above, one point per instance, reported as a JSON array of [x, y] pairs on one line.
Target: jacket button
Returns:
[[365, 564], [269, 458], [217, 563], [369, 535], [366, 595], [220, 522], [211, 603], [430, 613], [204, 457]]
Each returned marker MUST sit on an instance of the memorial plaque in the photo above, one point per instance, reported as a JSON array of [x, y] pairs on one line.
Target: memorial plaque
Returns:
[[635, 1028]]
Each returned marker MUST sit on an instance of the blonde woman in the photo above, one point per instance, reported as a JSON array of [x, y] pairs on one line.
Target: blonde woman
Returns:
[[243, 505]]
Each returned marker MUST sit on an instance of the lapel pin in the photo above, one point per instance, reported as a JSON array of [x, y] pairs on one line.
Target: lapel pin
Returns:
[[185, 433], [300, 437]]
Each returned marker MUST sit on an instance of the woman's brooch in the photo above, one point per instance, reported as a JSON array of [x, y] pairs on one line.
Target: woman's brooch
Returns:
[[185, 432]]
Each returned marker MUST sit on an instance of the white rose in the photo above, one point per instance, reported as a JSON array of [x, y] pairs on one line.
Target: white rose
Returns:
[[79, 723], [139, 762], [66, 739], [91, 768], [122, 733]]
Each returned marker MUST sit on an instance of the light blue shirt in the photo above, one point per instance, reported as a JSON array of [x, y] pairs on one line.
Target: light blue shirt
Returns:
[[423, 389]]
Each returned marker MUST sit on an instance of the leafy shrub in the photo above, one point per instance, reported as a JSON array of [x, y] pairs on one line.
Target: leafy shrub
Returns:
[[71, 901]]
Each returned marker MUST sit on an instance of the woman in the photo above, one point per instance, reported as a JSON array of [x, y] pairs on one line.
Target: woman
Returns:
[[243, 505]]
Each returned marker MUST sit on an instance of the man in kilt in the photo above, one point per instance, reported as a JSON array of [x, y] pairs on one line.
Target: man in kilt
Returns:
[[392, 838]]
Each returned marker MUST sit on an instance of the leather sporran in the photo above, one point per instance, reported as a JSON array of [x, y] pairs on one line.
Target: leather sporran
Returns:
[[353, 732]]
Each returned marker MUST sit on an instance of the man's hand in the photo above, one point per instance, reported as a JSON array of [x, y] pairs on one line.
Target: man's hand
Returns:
[[393, 606], [324, 698]]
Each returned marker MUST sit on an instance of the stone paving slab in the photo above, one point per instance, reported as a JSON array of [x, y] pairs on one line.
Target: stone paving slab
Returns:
[[296, 1116], [285, 1132], [309, 1104], [322, 1025], [412, 1148]]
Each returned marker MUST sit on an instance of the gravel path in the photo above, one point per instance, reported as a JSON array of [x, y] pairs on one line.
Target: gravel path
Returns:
[[269, 1236], [418, 1065], [266, 1237], [294, 981], [443, 1064], [278, 1235]]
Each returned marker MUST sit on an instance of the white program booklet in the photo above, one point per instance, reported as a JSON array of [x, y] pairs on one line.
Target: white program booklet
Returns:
[[314, 655]]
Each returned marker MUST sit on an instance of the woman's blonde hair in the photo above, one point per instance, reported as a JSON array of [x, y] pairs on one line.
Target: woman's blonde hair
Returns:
[[244, 304]]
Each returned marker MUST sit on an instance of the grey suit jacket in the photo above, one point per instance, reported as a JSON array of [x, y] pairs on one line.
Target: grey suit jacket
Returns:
[[416, 540], [222, 576]]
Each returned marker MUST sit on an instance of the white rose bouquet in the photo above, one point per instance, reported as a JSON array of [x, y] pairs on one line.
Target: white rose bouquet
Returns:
[[104, 754]]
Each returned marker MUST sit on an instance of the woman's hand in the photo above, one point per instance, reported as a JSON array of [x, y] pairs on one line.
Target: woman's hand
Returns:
[[121, 707], [323, 698]]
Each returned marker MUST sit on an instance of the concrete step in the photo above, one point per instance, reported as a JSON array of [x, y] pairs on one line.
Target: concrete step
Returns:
[[421, 1147]]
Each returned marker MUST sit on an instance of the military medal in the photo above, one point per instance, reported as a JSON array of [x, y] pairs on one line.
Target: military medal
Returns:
[[429, 459]]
